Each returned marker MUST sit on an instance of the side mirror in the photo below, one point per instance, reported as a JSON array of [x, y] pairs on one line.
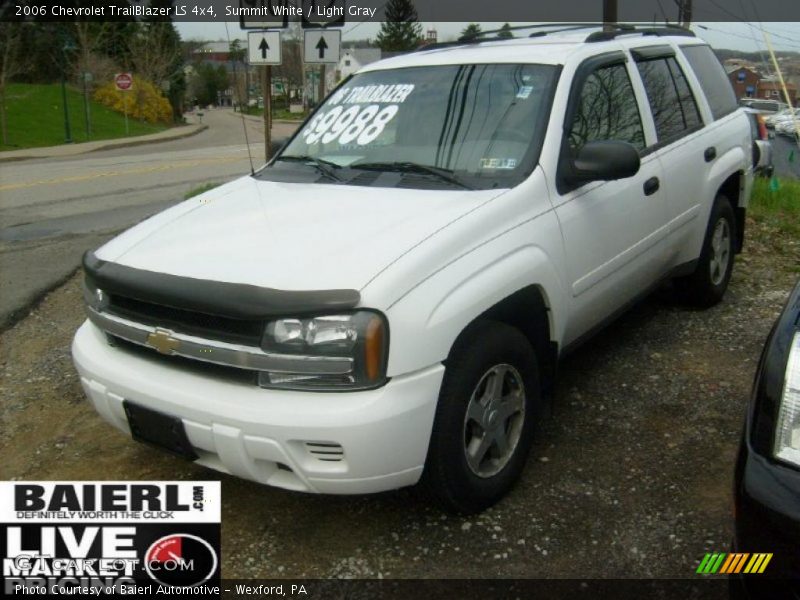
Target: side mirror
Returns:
[[762, 154], [603, 161]]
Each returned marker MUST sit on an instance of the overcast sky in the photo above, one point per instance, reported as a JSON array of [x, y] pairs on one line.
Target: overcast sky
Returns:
[[739, 36]]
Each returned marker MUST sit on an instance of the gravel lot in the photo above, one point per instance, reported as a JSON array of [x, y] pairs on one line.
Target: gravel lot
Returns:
[[629, 477]]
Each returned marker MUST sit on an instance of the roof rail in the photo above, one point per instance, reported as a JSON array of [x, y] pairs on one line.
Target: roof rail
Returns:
[[620, 29], [478, 37], [609, 32]]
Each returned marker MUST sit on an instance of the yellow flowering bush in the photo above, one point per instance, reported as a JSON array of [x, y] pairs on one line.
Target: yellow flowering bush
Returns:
[[144, 101]]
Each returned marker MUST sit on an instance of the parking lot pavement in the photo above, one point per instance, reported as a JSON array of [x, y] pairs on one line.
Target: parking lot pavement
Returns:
[[630, 475]]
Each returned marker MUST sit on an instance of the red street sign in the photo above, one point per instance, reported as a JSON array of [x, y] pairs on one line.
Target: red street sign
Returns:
[[123, 81]]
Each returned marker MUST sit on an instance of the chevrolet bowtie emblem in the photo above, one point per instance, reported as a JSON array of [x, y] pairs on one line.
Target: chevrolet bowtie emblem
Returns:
[[162, 341]]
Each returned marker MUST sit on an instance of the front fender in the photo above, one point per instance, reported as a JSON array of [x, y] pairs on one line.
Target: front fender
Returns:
[[426, 321]]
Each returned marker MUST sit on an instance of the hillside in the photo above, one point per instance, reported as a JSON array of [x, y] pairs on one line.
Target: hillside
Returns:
[[36, 118]]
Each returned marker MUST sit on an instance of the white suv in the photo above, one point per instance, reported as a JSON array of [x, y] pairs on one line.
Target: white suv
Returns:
[[386, 301]]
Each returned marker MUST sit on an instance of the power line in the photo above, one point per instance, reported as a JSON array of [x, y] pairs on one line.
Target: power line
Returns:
[[739, 36], [741, 20]]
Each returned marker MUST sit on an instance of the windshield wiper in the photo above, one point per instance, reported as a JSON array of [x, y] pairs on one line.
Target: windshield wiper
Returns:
[[412, 167], [325, 167]]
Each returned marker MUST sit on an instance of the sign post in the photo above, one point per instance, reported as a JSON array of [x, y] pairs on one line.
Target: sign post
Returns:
[[266, 92], [87, 78], [322, 46], [264, 49], [124, 82]]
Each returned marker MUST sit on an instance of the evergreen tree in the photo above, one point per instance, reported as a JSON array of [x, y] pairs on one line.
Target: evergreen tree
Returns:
[[505, 32], [401, 31], [470, 31]]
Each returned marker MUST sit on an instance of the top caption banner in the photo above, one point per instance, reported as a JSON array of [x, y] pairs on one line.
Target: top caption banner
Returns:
[[351, 11]]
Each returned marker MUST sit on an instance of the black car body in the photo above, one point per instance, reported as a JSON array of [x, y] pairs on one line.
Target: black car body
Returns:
[[767, 486]]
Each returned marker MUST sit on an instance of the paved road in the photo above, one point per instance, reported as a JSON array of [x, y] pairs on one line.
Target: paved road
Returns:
[[52, 210]]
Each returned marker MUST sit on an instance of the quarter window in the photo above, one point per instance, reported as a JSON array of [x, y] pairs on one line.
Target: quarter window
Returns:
[[607, 110], [713, 80], [671, 101]]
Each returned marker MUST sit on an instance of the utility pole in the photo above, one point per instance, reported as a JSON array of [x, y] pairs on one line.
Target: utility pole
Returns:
[[609, 14], [685, 12]]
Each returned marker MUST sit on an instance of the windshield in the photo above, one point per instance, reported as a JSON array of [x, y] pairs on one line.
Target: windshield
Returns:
[[469, 126]]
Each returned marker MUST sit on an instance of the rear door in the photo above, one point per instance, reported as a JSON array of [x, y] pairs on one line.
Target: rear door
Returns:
[[685, 149]]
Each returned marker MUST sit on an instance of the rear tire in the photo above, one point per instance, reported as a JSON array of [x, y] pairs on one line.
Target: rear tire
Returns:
[[482, 430], [706, 286]]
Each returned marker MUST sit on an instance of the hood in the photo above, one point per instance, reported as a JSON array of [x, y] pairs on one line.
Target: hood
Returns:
[[290, 236]]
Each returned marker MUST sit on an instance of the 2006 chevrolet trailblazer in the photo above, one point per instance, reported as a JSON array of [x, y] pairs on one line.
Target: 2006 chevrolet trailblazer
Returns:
[[385, 302]]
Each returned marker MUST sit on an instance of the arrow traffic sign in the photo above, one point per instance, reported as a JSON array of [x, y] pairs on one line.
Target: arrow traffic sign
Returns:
[[264, 47], [322, 46]]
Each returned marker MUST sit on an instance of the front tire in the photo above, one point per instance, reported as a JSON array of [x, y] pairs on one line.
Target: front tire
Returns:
[[707, 285], [482, 430]]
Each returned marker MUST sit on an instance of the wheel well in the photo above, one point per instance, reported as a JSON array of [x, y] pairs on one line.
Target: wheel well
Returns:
[[731, 188], [527, 311]]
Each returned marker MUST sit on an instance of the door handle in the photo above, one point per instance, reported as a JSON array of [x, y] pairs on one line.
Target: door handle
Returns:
[[651, 186], [710, 154]]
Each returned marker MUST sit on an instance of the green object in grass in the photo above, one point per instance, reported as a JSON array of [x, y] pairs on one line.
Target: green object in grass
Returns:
[[774, 184]]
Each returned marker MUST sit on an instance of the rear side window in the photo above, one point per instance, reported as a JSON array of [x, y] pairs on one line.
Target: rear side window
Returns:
[[607, 110], [671, 101], [713, 81]]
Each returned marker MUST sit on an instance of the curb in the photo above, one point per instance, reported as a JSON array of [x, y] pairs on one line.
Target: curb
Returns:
[[110, 145], [139, 142], [10, 319], [258, 119]]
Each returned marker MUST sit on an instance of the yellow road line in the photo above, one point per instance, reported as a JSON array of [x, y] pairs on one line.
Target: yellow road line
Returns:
[[102, 174]]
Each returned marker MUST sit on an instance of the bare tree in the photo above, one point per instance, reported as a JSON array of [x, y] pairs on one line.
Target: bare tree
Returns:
[[290, 71], [11, 64], [155, 50], [89, 38], [240, 74]]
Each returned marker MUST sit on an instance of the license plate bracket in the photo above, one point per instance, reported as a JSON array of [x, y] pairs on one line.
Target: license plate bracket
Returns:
[[158, 429]]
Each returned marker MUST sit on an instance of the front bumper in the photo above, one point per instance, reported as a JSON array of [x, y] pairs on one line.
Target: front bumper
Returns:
[[767, 496], [268, 436]]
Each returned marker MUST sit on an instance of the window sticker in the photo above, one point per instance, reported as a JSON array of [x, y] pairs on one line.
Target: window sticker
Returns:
[[369, 94], [359, 125], [524, 91], [356, 116], [499, 163]]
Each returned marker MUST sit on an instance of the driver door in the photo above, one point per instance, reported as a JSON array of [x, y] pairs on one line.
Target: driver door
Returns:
[[611, 229]]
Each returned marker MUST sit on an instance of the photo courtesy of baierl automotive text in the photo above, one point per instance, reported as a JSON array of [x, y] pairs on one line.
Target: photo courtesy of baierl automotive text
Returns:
[[336, 298]]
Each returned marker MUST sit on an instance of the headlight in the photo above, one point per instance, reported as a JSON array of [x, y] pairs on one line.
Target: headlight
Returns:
[[359, 339], [787, 433]]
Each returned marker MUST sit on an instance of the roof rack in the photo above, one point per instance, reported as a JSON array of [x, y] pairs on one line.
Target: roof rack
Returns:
[[609, 31]]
